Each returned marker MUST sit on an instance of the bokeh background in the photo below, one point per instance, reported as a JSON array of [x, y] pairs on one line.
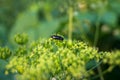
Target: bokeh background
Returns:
[[96, 22], [42, 18]]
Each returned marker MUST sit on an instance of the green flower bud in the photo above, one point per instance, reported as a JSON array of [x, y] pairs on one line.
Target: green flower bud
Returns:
[[5, 53], [21, 39]]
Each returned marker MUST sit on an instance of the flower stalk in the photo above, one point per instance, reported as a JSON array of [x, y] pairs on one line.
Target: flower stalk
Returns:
[[70, 24]]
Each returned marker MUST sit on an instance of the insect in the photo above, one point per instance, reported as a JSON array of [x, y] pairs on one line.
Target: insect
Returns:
[[56, 37]]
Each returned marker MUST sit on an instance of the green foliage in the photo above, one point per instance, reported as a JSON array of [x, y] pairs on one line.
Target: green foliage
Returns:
[[35, 17]]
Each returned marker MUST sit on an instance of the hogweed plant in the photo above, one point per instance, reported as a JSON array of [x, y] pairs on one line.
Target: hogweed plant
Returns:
[[54, 59]]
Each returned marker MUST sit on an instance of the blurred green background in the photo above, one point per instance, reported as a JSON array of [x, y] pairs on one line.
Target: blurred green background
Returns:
[[96, 22]]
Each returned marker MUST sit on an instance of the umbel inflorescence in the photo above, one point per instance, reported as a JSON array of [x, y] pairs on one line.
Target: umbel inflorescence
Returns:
[[54, 59]]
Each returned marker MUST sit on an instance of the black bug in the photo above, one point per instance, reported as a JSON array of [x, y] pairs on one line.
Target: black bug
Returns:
[[56, 37]]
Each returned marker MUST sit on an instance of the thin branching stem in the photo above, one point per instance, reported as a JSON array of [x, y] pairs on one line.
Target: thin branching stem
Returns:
[[70, 24], [96, 38]]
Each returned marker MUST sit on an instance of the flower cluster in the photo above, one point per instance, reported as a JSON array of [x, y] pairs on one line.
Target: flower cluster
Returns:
[[21, 38], [113, 59], [5, 53], [53, 59]]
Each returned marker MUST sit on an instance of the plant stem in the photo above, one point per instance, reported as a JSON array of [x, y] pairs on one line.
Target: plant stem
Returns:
[[104, 72], [96, 34], [95, 43], [70, 24], [100, 72]]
